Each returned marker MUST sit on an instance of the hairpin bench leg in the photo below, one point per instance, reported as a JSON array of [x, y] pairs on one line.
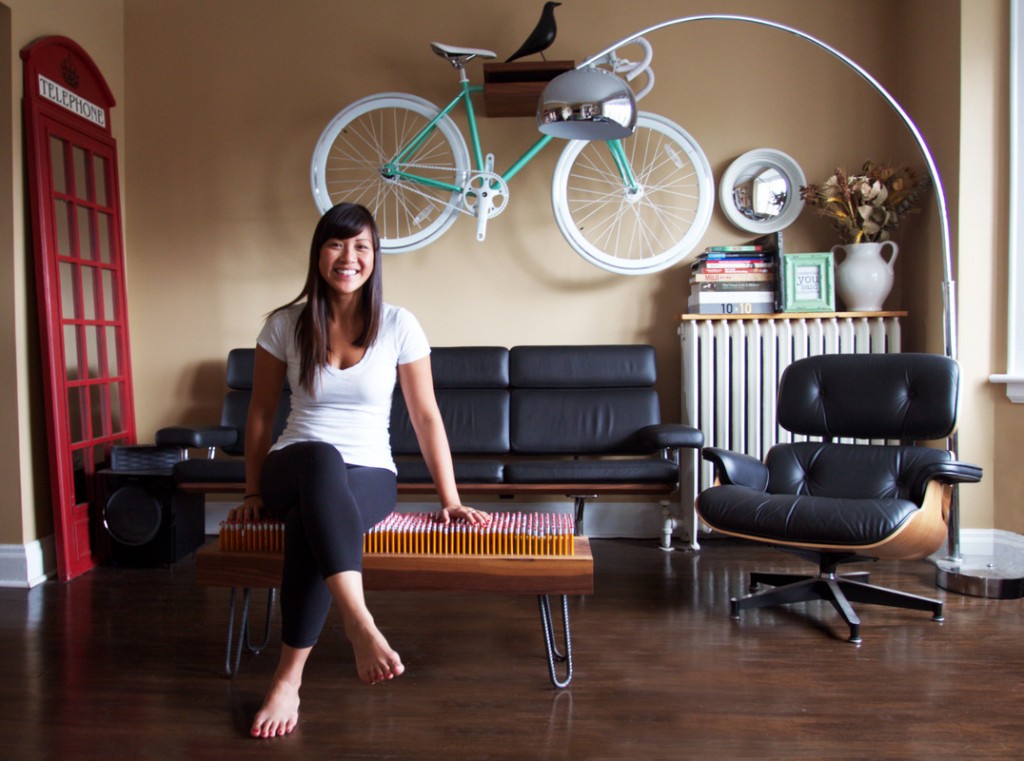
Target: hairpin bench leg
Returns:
[[233, 654], [549, 640], [231, 665], [257, 649]]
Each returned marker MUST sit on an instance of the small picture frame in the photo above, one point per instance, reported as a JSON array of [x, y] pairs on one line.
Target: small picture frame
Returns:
[[808, 283]]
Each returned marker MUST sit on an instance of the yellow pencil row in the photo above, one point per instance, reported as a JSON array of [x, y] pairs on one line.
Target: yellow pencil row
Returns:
[[264, 536], [505, 534], [465, 543]]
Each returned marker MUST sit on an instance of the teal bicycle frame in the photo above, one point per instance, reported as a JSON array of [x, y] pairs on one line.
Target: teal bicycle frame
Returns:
[[391, 168]]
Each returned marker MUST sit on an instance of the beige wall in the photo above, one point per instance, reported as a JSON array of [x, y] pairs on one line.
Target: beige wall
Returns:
[[220, 104], [227, 101], [98, 26]]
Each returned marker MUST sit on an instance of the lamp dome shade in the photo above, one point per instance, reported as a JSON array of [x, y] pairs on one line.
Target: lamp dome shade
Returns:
[[587, 104]]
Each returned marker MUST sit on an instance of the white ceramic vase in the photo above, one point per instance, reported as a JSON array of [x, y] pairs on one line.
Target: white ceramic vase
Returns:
[[864, 277]]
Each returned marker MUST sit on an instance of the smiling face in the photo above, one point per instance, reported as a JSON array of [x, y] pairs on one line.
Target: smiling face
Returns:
[[347, 263]]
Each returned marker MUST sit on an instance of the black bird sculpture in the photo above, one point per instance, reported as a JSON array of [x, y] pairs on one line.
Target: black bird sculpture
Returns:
[[541, 37]]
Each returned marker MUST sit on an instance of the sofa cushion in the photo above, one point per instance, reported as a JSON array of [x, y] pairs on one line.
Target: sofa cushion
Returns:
[[475, 419], [469, 366], [610, 366], [816, 520], [623, 471], [913, 396], [471, 387], [853, 471], [583, 421], [209, 471], [414, 471]]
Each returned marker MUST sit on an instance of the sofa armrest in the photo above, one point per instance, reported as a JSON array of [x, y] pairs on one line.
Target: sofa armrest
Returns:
[[198, 438], [737, 469], [670, 436]]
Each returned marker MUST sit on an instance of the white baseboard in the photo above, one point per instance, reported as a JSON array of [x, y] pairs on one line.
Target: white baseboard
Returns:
[[26, 565]]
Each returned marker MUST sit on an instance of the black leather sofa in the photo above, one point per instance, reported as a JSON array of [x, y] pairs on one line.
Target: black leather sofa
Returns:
[[579, 421]]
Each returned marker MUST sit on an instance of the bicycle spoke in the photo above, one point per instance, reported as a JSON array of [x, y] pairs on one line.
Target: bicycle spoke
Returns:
[[603, 192], [643, 230]]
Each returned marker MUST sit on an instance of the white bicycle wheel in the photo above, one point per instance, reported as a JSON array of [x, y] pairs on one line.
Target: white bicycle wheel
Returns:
[[352, 156], [634, 232]]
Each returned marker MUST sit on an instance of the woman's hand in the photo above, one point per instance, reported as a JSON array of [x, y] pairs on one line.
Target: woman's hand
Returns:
[[469, 514], [250, 511]]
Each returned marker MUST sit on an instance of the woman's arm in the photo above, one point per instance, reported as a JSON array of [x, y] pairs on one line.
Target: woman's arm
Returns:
[[418, 388], [267, 383]]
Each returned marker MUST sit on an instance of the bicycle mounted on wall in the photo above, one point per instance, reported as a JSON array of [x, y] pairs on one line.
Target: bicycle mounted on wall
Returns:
[[632, 206]]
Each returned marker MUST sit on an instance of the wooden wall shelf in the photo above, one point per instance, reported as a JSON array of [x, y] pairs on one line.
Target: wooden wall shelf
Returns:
[[512, 89]]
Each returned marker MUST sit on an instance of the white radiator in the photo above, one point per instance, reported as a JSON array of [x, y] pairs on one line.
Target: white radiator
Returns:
[[731, 370]]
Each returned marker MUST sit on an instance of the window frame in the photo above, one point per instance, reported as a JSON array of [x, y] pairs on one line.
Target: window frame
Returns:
[[1014, 375]]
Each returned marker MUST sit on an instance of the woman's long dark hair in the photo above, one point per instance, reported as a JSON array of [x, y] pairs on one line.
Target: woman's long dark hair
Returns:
[[346, 220]]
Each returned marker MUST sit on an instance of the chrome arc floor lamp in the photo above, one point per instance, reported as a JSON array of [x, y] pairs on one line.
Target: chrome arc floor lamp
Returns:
[[587, 103]]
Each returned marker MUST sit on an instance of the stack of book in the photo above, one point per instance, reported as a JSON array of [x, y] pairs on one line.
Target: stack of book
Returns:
[[734, 280]]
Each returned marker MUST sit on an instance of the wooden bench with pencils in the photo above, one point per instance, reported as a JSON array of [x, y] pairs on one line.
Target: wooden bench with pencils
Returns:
[[517, 553]]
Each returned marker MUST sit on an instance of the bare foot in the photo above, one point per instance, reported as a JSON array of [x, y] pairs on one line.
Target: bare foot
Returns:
[[280, 711], [375, 660]]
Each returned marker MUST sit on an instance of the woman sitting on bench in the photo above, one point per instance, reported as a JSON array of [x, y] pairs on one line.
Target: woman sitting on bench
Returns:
[[330, 475]]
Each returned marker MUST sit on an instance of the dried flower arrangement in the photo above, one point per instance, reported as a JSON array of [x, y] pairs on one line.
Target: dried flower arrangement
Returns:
[[868, 206]]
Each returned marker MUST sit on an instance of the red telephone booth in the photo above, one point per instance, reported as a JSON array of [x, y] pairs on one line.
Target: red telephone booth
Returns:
[[77, 245]]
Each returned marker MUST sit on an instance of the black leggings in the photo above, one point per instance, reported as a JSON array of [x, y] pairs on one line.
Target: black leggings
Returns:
[[327, 506]]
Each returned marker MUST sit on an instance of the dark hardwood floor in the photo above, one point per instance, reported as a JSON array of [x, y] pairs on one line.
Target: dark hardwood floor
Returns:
[[126, 664]]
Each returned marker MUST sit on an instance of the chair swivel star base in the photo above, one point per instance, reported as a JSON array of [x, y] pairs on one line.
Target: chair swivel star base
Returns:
[[837, 589]]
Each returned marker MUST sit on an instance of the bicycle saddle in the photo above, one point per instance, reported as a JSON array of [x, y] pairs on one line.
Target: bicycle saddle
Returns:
[[457, 55]]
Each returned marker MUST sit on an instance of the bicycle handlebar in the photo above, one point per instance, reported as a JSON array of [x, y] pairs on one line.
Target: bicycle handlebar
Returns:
[[629, 69]]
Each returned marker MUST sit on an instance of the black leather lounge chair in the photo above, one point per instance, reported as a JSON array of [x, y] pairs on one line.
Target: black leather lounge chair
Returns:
[[845, 502]]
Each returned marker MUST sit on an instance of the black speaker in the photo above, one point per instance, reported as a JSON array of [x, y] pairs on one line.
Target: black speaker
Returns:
[[149, 521]]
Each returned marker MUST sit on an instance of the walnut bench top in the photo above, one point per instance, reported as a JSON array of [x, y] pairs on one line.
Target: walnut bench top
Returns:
[[539, 575]]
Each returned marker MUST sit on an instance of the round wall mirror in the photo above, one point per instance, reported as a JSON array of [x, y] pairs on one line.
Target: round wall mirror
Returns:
[[760, 191]]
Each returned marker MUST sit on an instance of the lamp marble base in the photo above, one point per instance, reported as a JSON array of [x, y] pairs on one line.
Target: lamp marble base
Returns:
[[991, 565]]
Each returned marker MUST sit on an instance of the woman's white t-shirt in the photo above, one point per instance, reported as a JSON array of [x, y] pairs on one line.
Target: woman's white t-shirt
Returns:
[[351, 408]]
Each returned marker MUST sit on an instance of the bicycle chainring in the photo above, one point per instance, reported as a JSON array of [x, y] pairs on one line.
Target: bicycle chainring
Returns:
[[485, 185]]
